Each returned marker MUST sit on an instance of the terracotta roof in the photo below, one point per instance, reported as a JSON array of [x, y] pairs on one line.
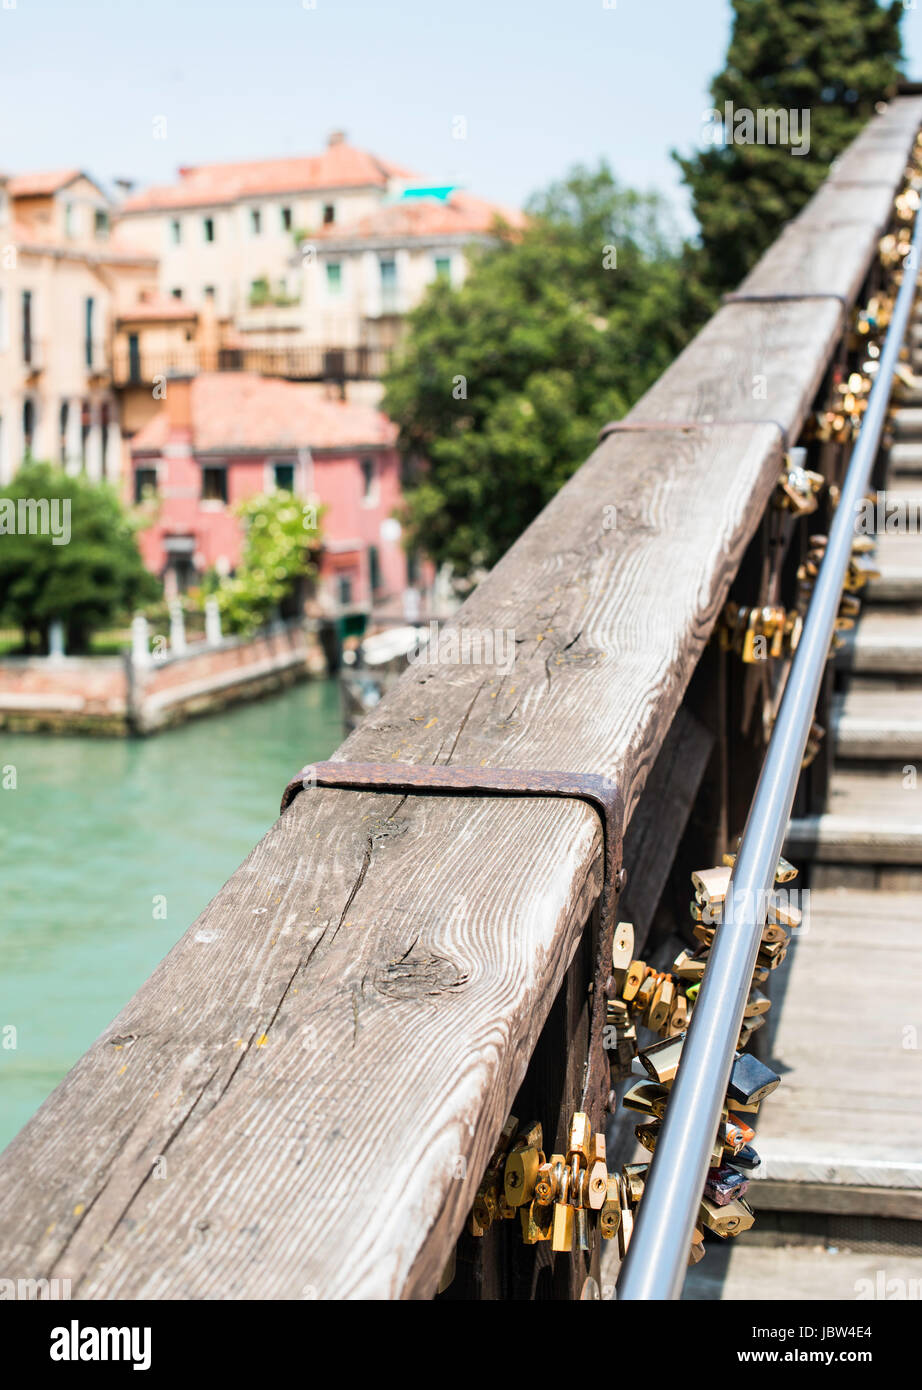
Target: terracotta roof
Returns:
[[155, 308], [204, 185], [42, 184], [461, 214], [243, 411], [113, 250]]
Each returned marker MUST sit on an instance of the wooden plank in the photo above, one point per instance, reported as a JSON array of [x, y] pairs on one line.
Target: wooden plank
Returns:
[[837, 204], [836, 1199], [354, 1012], [879, 153], [847, 1112], [750, 362], [808, 259]]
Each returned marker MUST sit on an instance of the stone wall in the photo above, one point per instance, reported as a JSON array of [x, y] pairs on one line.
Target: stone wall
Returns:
[[111, 695]]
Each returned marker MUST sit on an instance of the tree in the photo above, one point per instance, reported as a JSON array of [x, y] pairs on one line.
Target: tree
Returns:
[[502, 385], [68, 553], [832, 58], [281, 537]]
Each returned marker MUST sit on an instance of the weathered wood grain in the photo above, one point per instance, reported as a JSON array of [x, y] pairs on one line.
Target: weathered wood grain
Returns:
[[342, 1030], [751, 361]]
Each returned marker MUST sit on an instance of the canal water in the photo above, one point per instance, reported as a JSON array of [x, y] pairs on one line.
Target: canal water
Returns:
[[102, 836]]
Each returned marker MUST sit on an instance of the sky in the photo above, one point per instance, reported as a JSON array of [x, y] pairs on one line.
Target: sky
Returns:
[[538, 85]]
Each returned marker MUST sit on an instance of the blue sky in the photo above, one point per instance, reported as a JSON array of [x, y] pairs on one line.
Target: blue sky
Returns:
[[541, 84]]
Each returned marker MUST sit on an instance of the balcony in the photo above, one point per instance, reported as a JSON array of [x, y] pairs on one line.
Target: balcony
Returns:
[[308, 363]]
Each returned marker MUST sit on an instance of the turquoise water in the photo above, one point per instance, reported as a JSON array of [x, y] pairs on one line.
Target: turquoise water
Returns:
[[95, 833]]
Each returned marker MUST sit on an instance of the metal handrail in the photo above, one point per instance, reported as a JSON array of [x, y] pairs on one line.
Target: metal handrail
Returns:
[[657, 1256]]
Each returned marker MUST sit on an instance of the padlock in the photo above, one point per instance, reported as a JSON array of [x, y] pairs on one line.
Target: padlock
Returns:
[[661, 1005], [648, 1097], [747, 1158], [678, 1017], [622, 952], [634, 979], [537, 1222], [729, 1220], [750, 1080], [724, 1184], [644, 996], [633, 1178], [756, 1004], [689, 967], [662, 1059], [696, 1252], [522, 1164], [610, 1215], [597, 1174]]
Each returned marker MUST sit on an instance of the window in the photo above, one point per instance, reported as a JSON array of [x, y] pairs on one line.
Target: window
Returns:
[[344, 588], [63, 417], [175, 231], [28, 343], [85, 422], [69, 219], [287, 222], [134, 358], [28, 427], [209, 292], [388, 285], [208, 228], [412, 568], [368, 479], [104, 439], [256, 221], [177, 294], [101, 224], [329, 214], [284, 476], [334, 277], [443, 267], [145, 484], [214, 484], [88, 331], [374, 569]]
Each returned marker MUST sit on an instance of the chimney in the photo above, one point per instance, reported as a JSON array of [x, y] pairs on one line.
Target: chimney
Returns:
[[178, 398], [336, 137], [124, 186]]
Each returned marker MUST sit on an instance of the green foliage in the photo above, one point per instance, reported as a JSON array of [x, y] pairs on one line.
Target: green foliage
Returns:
[[281, 535], [835, 58], [503, 384], [93, 579]]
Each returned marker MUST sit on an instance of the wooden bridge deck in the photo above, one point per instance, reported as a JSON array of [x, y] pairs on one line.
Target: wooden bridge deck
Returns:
[[844, 1131]]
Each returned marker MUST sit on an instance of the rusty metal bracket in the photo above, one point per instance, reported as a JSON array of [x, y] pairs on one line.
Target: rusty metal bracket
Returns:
[[598, 791]]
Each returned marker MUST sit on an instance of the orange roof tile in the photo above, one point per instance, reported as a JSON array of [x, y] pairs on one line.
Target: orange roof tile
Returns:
[[41, 184], [459, 215], [241, 411], [203, 185]]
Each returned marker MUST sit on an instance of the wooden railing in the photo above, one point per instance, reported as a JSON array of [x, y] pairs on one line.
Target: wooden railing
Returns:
[[303, 1097]]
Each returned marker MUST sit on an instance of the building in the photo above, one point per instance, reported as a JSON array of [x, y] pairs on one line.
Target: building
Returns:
[[362, 278], [307, 265], [63, 278], [220, 437], [227, 233]]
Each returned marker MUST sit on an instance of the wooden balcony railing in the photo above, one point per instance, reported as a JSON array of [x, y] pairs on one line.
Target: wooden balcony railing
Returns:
[[305, 363]]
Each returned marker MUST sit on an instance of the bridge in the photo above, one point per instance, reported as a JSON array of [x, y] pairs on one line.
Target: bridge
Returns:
[[311, 1095]]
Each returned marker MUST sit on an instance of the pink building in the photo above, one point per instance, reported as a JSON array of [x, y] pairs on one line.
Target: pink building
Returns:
[[219, 438]]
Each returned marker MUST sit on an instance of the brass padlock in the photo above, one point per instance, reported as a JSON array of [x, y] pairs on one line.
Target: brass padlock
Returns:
[[522, 1164], [730, 1220]]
